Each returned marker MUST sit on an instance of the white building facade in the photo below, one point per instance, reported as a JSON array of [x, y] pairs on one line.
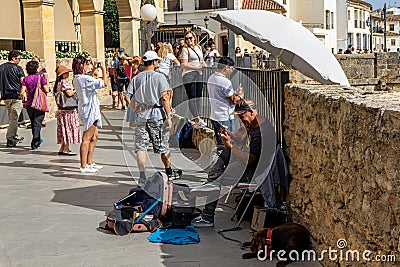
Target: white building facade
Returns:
[[196, 12], [358, 30], [393, 29]]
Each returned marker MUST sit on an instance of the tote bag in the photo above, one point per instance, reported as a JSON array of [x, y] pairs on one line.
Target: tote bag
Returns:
[[39, 99]]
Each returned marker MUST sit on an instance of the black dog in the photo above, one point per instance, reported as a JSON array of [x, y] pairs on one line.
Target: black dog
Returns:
[[286, 237]]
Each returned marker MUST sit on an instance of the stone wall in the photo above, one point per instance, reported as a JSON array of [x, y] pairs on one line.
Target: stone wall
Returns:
[[365, 70], [344, 150]]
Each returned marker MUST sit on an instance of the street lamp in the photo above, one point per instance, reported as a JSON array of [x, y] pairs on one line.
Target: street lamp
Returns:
[[148, 13], [206, 19], [384, 27], [369, 24]]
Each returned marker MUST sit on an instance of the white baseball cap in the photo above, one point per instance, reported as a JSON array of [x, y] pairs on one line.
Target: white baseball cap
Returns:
[[150, 55]]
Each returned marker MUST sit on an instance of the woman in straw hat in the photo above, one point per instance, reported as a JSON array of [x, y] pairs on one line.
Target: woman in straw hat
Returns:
[[68, 131]]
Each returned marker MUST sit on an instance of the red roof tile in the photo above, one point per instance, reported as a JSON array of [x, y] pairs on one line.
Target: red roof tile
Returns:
[[269, 5]]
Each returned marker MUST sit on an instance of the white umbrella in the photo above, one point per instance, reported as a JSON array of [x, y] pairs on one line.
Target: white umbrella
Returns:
[[284, 38]]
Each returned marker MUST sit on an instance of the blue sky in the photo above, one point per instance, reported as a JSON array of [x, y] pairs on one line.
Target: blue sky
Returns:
[[379, 3]]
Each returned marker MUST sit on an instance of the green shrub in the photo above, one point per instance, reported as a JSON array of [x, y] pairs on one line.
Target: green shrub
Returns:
[[24, 54], [27, 54], [71, 54], [108, 54]]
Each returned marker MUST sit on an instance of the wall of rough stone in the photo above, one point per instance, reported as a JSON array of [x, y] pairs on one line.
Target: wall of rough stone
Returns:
[[344, 150], [365, 70]]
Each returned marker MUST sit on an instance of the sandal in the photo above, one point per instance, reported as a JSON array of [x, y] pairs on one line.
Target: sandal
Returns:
[[69, 153]]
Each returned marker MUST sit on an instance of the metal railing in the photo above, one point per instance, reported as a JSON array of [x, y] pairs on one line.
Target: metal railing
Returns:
[[264, 87], [313, 25]]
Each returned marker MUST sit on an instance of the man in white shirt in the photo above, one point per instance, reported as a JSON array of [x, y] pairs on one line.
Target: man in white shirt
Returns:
[[222, 97]]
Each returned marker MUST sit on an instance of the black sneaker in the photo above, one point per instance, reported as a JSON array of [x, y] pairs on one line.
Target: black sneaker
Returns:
[[200, 222], [19, 140], [176, 174], [11, 143], [141, 181]]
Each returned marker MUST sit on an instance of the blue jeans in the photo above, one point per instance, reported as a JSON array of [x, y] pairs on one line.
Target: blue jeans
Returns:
[[230, 126]]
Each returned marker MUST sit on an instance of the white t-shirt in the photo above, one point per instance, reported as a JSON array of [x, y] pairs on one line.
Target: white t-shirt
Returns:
[[211, 55], [194, 58], [219, 90], [166, 65]]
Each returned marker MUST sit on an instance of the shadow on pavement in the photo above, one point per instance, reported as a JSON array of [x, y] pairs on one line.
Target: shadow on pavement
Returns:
[[99, 197]]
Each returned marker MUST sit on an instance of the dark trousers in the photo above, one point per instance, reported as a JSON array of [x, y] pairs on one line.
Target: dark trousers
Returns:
[[224, 170], [122, 83], [114, 84], [194, 91], [36, 117]]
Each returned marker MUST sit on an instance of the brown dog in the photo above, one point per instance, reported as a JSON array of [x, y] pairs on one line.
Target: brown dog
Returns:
[[286, 237]]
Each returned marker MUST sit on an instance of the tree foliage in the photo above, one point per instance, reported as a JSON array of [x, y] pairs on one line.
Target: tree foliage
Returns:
[[111, 24]]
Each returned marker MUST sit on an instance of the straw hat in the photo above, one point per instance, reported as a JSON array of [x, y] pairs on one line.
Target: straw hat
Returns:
[[62, 69]]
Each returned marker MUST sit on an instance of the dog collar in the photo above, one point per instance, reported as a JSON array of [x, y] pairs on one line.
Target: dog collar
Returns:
[[268, 241]]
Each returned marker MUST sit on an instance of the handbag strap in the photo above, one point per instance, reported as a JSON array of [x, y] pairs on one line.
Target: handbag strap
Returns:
[[39, 85], [194, 52]]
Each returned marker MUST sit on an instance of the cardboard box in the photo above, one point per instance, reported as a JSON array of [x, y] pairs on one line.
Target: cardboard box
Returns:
[[258, 221], [268, 218]]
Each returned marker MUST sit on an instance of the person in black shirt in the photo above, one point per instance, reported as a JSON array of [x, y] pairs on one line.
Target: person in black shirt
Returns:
[[246, 155], [11, 76], [349, 50]]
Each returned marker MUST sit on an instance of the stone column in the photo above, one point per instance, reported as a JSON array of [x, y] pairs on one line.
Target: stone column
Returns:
[[39, 31], [129, 35], [92, 32]]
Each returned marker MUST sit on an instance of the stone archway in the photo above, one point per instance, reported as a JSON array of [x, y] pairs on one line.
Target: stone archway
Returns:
[[129, 25], [39, 31], [92, 27]]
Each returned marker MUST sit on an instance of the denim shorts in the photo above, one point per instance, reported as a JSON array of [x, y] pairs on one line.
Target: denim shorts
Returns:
[[153, 131]]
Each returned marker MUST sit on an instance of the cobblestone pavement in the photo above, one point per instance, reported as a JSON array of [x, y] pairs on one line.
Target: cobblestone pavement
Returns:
[[51, 213]]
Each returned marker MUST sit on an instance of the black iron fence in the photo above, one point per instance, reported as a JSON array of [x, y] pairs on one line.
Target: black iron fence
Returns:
[[264, 87]]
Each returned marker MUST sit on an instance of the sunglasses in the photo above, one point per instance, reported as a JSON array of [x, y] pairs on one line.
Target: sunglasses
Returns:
[[188, 38]]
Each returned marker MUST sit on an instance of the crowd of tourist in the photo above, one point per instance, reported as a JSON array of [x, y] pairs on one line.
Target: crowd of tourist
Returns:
[[142, 85]]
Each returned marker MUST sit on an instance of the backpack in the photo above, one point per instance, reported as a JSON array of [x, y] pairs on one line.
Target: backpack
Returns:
[[123, 222], [182, 136], [121, 71], [185, 136]]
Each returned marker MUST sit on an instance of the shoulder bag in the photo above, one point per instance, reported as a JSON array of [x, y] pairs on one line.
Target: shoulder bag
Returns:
[[66, 102], [39, 99]]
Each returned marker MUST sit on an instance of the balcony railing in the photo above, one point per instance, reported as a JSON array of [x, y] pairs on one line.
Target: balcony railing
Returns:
[[313, 25]]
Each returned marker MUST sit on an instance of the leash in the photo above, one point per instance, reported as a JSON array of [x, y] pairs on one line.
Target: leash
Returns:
[[222, 231]]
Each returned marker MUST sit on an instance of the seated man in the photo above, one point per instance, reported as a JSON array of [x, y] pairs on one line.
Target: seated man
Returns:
[[238, 159]]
